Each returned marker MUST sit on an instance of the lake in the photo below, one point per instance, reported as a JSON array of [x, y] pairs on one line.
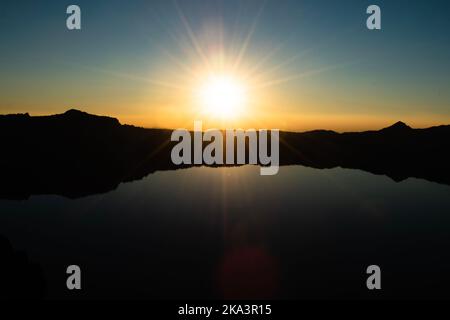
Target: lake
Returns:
[[232, 233]]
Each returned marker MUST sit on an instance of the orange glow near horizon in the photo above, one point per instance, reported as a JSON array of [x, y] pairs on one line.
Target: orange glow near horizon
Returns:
[[297, 123]]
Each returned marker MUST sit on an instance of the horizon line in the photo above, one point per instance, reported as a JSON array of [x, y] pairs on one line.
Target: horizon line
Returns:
[[222, 129]]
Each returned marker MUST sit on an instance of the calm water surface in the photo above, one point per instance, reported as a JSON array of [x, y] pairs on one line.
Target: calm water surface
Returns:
[[229, 232]]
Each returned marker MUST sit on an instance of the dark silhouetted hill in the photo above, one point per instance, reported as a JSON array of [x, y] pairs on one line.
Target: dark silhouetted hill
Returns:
[[76, 154], [19, 277]]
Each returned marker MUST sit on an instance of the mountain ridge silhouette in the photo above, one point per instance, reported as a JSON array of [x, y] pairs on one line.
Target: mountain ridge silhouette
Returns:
[[75, 153]]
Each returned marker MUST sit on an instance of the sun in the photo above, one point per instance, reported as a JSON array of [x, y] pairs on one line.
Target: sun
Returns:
[[222, 96]]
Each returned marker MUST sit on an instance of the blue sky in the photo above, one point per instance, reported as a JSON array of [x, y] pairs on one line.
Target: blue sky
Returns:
[[402, 71]]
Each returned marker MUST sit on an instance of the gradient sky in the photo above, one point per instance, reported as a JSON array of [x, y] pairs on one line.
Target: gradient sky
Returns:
[[310, 64]]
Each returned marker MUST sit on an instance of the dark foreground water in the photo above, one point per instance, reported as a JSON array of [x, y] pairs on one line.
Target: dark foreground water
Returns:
[[229, 232]]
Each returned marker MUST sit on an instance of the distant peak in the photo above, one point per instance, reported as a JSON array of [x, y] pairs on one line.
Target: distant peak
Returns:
[[399, 125], [74, 112]]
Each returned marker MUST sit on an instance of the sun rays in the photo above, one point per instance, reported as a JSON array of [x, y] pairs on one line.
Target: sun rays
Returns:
[[216, 72]]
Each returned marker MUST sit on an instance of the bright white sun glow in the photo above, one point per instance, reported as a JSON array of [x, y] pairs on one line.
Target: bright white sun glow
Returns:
[[222, 96]]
